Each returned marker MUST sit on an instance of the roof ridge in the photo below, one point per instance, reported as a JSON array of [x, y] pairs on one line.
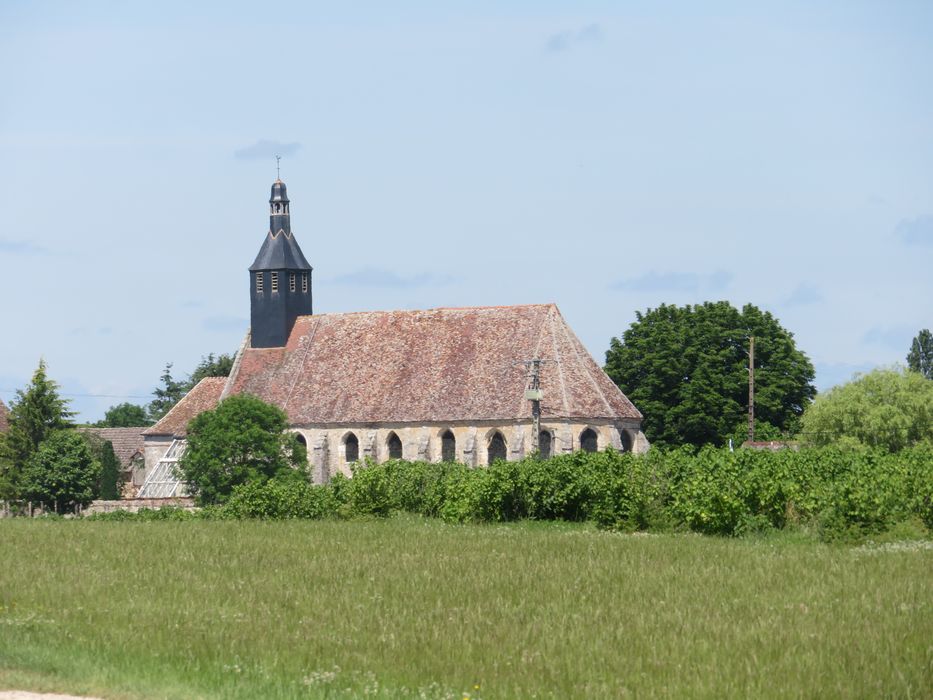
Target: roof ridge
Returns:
[[434, 308], [152, 430]]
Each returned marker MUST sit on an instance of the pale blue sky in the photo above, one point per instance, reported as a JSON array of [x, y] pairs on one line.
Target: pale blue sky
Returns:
[[606, 156]]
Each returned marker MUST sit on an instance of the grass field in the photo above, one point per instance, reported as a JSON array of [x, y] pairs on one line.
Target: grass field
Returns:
[[413, 608]]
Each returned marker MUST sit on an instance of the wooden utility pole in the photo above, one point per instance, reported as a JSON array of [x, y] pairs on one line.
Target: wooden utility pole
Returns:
[[751, 389], [534, 394]]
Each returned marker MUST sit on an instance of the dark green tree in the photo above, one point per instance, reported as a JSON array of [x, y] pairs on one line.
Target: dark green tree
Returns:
[[62, 473], [167, 395], [109, 473], [36, 411], [920, 357], [124, 415], [241, 441], [686, 369], [211, 366]]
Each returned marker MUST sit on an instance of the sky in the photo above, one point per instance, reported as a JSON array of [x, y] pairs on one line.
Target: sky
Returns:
[[605, 156]]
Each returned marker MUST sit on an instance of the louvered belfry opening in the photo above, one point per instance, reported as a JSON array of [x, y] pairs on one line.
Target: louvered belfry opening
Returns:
[[395, 446], [497, 450], [589, 441], [448, 447]]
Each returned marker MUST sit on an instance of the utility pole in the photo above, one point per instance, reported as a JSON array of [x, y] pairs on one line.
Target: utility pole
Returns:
[[534, 394], [751, 389]]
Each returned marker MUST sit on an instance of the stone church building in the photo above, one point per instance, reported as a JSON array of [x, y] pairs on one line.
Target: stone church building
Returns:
[[438, 384]]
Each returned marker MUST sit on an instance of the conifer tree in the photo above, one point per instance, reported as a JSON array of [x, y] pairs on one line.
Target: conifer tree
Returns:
[[920, 357], [109, 473], [35, 413]]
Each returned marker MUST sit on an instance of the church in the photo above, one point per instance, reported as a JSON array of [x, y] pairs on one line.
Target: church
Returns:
[[471, 385]]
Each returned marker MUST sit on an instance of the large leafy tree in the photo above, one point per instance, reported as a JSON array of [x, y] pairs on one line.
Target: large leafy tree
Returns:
[[241, 441], [124, 415], [920, 357], [62, 473], [886, 408], [36, 412], [686, 369]]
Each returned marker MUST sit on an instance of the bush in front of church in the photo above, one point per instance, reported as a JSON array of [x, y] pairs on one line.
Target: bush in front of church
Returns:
[[242, 441]]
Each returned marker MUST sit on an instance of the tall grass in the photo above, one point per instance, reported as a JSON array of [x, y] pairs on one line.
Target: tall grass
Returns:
[[405, 607]]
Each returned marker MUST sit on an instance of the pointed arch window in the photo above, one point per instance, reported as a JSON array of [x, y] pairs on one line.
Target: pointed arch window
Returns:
[[448, 447], [351, 447], [394, 445], [589, 441], [626, 438], [497, 448], [544, 444]]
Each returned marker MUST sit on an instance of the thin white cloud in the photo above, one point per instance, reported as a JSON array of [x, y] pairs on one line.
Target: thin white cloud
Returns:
[[20, 247], [804, 295], [379, 277], [267, 149], [568, 39], [893, 337], [917, 231], [676, 282]]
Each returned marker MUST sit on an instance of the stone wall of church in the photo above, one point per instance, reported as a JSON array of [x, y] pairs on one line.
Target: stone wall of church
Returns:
[[328, 445]]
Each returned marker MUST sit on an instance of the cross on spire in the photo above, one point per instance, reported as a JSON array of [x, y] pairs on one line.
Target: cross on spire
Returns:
[[277, 159]]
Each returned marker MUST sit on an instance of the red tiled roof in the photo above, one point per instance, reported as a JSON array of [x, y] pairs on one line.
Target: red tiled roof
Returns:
[[4, 421], [436, 365], [203, 397], [126, 441]]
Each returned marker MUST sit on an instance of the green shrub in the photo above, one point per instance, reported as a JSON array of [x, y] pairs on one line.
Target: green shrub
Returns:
[[278, 499], [837, 493]]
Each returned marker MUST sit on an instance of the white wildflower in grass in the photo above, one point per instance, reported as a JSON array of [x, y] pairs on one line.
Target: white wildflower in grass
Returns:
[[903, 547], [321, 677]]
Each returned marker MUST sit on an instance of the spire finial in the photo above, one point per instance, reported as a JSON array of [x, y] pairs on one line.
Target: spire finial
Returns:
[[277, 159]]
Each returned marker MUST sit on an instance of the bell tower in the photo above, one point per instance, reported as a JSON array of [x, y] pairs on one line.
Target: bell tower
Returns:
[[279, 278]]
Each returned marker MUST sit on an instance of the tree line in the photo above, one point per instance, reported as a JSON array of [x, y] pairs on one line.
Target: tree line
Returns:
[[45, 459], [685, 368]]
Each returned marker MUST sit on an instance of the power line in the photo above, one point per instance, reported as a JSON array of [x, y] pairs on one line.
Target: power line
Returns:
[[93, 396]]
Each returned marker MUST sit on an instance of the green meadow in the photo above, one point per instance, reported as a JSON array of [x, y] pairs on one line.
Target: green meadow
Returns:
[[416, 608]]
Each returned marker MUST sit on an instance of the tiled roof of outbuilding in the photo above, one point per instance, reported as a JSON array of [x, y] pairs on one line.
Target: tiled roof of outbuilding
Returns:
[[435, 365], [4, 421], [127, 442], [203, 397]]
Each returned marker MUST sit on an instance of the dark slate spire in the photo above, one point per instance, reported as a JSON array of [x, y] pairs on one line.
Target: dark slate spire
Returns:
[[280, 278]]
